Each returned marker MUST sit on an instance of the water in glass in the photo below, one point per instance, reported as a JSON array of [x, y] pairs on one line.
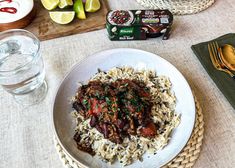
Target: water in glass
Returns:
[[21, 65]]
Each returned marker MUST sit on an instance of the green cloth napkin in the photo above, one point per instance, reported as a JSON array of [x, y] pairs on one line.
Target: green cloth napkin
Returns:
[[223, 81]]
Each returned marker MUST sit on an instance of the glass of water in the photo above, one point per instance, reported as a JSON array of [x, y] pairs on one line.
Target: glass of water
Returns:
[[22, 70]]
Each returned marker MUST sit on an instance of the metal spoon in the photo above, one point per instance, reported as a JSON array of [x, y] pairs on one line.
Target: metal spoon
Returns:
[[227, 56]]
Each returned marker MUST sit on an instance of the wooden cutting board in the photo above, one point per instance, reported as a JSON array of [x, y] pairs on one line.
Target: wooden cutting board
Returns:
[[44, 28]]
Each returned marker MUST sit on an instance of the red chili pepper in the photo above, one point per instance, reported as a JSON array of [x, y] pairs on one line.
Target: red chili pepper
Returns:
[[8, 1], [8, 10]]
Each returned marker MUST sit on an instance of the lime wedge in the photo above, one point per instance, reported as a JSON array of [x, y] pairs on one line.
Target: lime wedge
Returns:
[[65, 3], [92, 5], [62, 17], [79, 9], [50, 4]]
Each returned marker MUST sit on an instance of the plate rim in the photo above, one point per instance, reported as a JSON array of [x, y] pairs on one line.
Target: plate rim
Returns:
[[106, 51]]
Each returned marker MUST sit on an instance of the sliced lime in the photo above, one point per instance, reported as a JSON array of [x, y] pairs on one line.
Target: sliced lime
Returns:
[[65, 3], [62, 17], [92, 5], [79, 9], [50, 4]]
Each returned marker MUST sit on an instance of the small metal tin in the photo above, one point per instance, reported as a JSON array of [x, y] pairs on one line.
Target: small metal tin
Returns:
[[138, 24]]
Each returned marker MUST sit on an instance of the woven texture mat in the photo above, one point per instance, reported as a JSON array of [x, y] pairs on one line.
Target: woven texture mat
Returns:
[[185, 159], [178, 7]]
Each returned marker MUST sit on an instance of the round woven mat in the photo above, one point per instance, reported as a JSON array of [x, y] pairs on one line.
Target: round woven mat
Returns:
[[185, 159], [178, 7]]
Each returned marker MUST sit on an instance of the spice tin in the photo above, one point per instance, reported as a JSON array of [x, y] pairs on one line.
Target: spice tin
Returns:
[[138, 24]]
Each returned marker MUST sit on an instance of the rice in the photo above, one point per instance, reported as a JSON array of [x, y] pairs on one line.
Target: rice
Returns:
[[163, 114]]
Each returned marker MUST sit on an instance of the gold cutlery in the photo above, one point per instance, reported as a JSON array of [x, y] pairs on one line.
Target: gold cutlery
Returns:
[[227, 56], [214, 56]]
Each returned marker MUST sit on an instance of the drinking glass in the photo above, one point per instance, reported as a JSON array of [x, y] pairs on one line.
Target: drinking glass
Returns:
[[22, 70]]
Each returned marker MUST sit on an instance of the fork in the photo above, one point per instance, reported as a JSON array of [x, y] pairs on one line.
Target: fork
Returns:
[[214, 56]]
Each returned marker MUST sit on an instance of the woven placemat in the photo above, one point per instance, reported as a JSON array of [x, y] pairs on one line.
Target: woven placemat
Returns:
[[178, 7], [185, 159]]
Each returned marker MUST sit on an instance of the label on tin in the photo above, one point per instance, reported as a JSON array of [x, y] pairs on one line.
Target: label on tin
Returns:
[[138, 24]]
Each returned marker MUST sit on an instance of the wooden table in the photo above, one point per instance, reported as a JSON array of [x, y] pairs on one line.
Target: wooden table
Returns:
[[26, 138]]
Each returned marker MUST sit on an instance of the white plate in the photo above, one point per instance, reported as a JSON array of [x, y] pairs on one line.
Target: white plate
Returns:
[[64, 124]]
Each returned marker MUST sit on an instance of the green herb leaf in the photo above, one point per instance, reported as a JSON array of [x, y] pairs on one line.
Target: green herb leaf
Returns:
[[111, 113], [108, 101], [126, 84], [96, 106], [97, 95], [84, 101], [126, 112], [88, 106]]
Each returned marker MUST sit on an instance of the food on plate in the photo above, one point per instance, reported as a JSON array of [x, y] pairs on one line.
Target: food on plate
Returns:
[[92, 5], [123, 113], [116, 109], [50, 4], [62, 17], [79, 9]]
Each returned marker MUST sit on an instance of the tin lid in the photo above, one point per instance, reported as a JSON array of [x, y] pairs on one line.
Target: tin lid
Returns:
[[120, 17], [139, 17]]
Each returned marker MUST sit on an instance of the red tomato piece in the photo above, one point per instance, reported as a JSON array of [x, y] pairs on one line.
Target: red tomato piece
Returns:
[[149, 131], [95, 107], [144, 94]]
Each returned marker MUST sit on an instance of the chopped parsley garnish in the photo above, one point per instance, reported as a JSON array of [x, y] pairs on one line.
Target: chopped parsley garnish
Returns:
[[88, 106], [126, 84], [134, 102], [126, 112], [108, 101], [84, 101], [111, 113], [97, 95]]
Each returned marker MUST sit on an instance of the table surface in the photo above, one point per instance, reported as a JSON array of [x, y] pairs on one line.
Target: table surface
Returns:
[[26, 136]]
